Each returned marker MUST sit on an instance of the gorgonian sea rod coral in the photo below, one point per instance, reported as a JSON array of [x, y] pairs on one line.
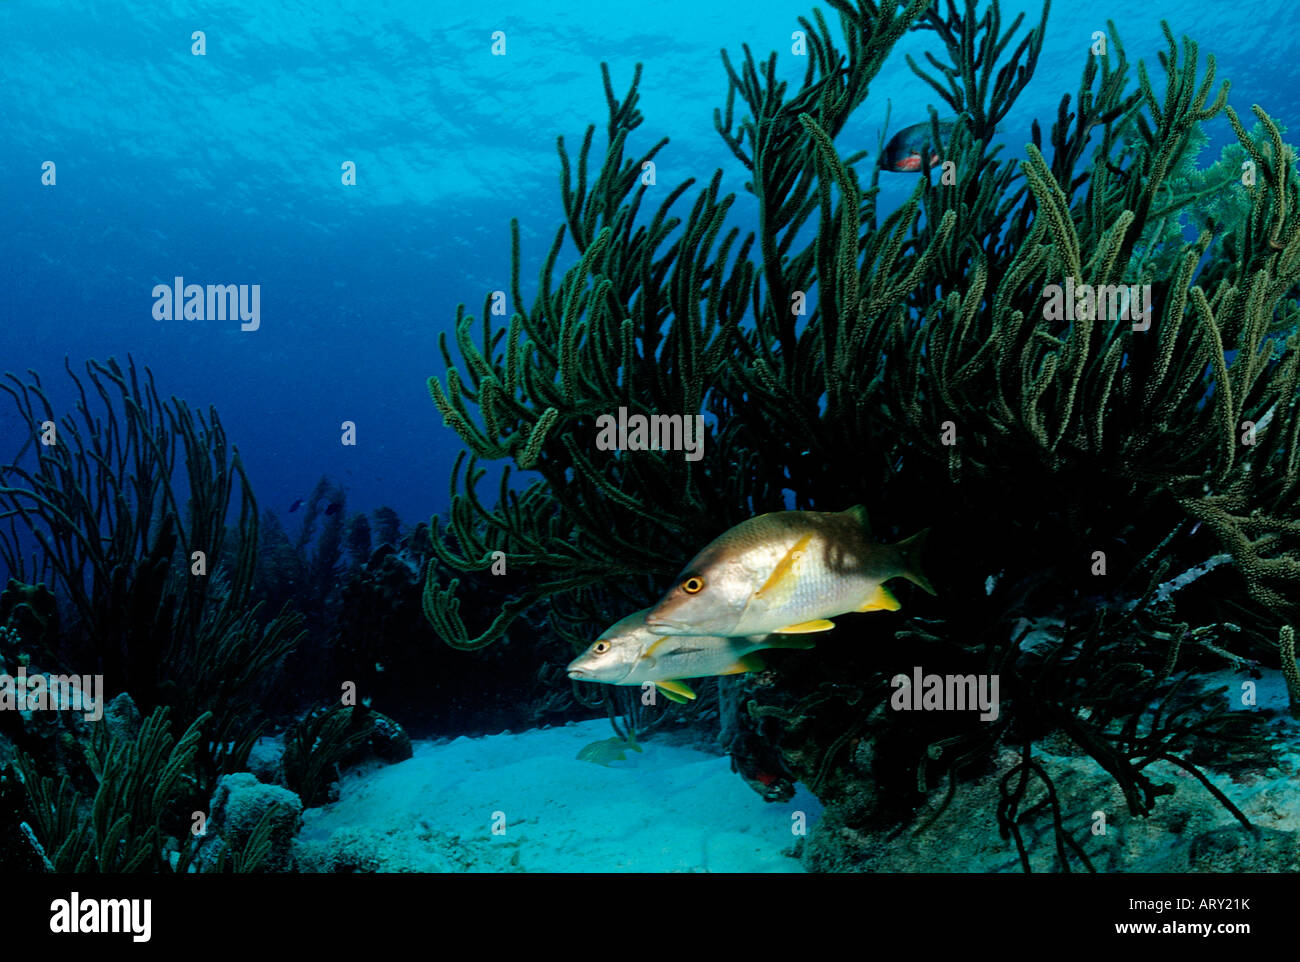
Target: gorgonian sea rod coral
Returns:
[[128, 496], [921, 320], [1070, 460]]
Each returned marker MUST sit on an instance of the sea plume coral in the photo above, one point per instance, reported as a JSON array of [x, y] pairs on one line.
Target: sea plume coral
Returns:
[[130, 510], [1071, 461]]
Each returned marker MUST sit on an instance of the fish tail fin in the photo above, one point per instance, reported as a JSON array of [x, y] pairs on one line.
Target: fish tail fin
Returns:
[[909, 560]]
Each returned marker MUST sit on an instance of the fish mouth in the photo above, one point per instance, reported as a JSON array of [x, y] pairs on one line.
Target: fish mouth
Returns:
[[592, 675]]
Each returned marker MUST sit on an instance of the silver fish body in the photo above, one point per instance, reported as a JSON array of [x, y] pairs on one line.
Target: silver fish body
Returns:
[[628, 653], [787, 571]]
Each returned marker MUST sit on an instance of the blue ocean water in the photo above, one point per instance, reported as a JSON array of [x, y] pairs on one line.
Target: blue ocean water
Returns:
[[226, 169]]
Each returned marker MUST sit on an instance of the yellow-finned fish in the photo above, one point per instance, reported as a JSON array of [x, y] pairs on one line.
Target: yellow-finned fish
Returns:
[[788, 571], [628, 653]]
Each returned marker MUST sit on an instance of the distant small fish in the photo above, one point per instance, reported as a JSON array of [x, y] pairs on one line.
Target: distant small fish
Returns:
[[334, 507], [905, 150], [608, 750], [788, 571], [295, 506]]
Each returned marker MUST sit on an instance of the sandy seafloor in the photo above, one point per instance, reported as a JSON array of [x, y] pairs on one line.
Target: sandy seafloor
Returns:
[[674, 808], [668, 809]]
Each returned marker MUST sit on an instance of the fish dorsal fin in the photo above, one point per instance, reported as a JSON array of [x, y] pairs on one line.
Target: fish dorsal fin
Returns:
[[859, 514], [783, 576], [750, 662], [675, 691], [880, 599], [806, 627]]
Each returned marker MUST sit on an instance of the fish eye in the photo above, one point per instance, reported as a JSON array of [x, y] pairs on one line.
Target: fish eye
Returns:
[[600, 647], [693, 585]]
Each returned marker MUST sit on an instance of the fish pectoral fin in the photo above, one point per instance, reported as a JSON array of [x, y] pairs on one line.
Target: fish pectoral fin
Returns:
[[675, 691], [806, 627], [670, 695], [880, 600], [750, 662], [784, 576]]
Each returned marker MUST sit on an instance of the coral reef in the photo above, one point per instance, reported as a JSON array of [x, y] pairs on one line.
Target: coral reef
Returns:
[[326, 740], [356, 534], [257, 822], [316, 747], [31, 612], [140, 816], [1072, 462], [1189, 832], [320, 573], [123, 830], [265, 760], [1290, 667], [129, 508]]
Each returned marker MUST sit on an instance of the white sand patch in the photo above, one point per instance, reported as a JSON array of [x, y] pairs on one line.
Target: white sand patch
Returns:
[[668, 809]]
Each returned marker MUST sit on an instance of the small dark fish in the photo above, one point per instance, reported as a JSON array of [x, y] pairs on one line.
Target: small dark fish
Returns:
[[334, 507], [295, 506], [906, 148]]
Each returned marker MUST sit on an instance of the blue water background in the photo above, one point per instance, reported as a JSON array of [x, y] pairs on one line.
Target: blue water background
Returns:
[[226, 169]]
